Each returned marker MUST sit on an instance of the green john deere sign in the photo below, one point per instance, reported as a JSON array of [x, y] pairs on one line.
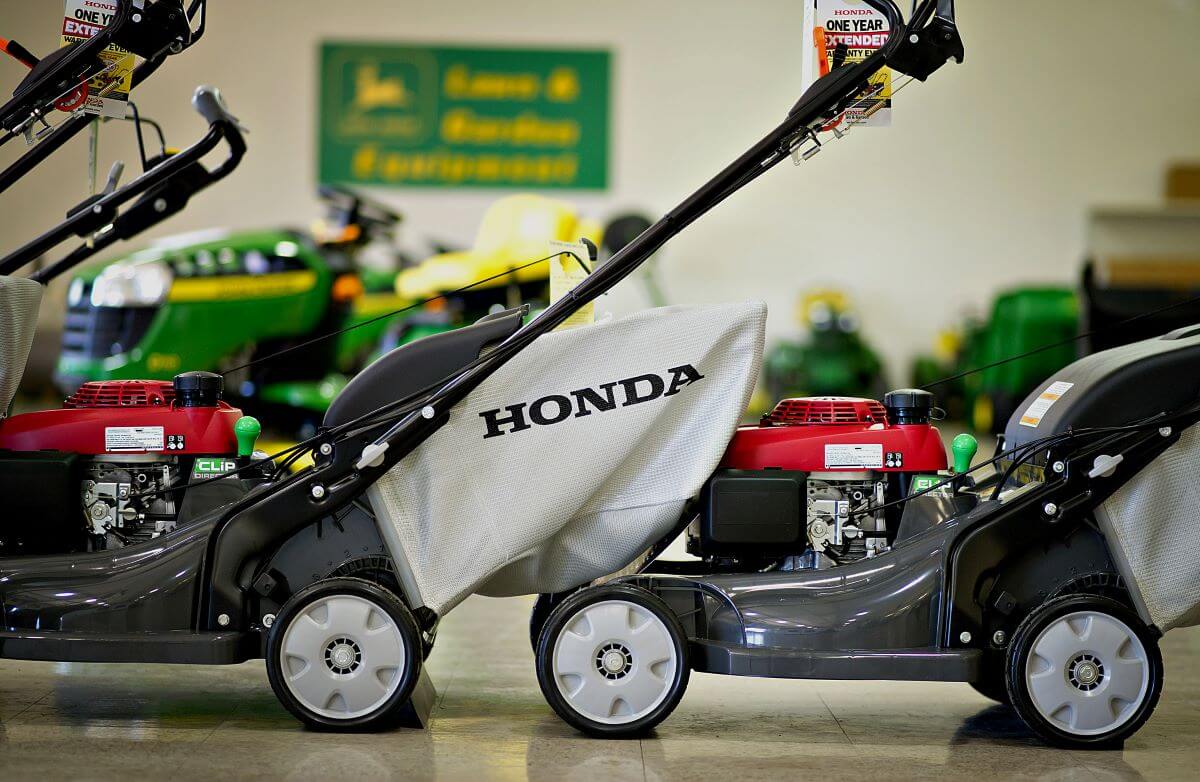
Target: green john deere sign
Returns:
[[457, 116]]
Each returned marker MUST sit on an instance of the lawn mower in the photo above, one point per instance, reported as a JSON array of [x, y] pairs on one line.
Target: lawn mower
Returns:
[[832, 541]]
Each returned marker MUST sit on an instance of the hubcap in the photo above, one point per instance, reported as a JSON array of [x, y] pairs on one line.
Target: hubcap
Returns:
[[614, 662], [343, 657], [1087, 673]]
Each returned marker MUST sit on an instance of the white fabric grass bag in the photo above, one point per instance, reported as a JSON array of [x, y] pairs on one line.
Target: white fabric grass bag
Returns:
[[574, 457], [20, 300], [1151, 525]]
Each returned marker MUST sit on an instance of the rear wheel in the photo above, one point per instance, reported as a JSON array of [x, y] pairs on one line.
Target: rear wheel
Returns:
[[612, 660], [1084, 671], [344, 654], [542, 607]]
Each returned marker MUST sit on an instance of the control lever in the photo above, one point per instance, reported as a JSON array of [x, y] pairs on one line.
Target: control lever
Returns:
[[110, 187], [114, 177]]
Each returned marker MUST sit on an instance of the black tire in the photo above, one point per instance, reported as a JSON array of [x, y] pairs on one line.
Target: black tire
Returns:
[[1131, 718], [408, 645], [542, 607], [641, 601]]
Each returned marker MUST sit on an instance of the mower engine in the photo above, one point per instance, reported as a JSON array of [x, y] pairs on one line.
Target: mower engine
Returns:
[[112, 453], [804, 488]]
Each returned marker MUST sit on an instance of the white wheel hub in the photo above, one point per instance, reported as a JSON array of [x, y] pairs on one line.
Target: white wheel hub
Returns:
[[342, 657], [614, 662], [1087, 673]]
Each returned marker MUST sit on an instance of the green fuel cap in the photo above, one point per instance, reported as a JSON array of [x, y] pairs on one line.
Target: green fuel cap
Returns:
[[963, 447], [247, 429]]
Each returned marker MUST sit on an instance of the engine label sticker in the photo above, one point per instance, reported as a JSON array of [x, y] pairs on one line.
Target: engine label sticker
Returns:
[[859, 456], [1037, 410], [134, 438]]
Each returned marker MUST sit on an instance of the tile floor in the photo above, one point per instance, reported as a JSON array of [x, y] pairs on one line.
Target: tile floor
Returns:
[[62, 721]]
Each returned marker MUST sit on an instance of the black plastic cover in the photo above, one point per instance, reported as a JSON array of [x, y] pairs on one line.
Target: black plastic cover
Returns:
[[42, 514], [410, 368], [747, 509], [1117, 386]]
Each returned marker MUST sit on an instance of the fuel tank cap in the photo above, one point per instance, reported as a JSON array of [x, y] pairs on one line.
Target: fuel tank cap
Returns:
[[909, 406], [198, 389]]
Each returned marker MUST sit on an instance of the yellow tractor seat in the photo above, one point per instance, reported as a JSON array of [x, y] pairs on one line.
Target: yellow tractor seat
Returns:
[[515, 230]]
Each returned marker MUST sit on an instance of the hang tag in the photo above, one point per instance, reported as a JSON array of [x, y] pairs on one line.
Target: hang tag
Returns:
[[107, 93], [565, 273]]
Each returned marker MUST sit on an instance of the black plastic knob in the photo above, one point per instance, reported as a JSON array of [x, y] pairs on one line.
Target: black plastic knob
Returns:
[[198, 389]]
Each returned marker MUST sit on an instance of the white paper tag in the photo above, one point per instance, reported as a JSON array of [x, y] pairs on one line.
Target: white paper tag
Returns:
[[134, 438], [1036, 411], [566, 271], [864, 456]]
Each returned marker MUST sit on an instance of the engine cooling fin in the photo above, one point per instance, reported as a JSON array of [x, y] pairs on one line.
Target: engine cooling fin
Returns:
[[122, 393], [826, 411]]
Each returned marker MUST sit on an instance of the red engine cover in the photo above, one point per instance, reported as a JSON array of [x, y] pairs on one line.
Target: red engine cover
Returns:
[[830, 434], [124, 417]]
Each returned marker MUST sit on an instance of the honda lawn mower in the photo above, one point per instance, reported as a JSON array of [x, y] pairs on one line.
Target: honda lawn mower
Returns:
[[831, 540]]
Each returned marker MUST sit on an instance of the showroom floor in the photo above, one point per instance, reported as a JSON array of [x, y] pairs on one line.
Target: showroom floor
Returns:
[[128, 723]]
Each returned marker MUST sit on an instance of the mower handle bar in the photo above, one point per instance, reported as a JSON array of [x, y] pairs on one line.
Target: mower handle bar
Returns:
[[70, 127], [101, 214]]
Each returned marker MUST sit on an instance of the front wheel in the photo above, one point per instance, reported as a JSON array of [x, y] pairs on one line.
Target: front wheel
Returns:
[[344, 654], [1084, 671], [612, 660]]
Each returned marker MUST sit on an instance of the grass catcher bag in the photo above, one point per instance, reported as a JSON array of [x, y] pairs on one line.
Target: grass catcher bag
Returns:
[[20, 300], [574, 457], [1151, 524]]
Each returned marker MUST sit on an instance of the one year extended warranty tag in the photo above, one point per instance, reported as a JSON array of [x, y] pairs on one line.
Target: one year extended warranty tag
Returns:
[[108, 91]]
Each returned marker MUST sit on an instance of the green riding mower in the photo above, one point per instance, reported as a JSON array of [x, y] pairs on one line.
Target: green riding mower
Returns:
[[217, 300], [832, 359]]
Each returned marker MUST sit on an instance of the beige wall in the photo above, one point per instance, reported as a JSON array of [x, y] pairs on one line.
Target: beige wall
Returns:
[[982, 182]]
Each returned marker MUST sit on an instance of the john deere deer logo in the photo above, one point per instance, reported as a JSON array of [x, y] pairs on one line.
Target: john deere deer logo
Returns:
[[373, 92]]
